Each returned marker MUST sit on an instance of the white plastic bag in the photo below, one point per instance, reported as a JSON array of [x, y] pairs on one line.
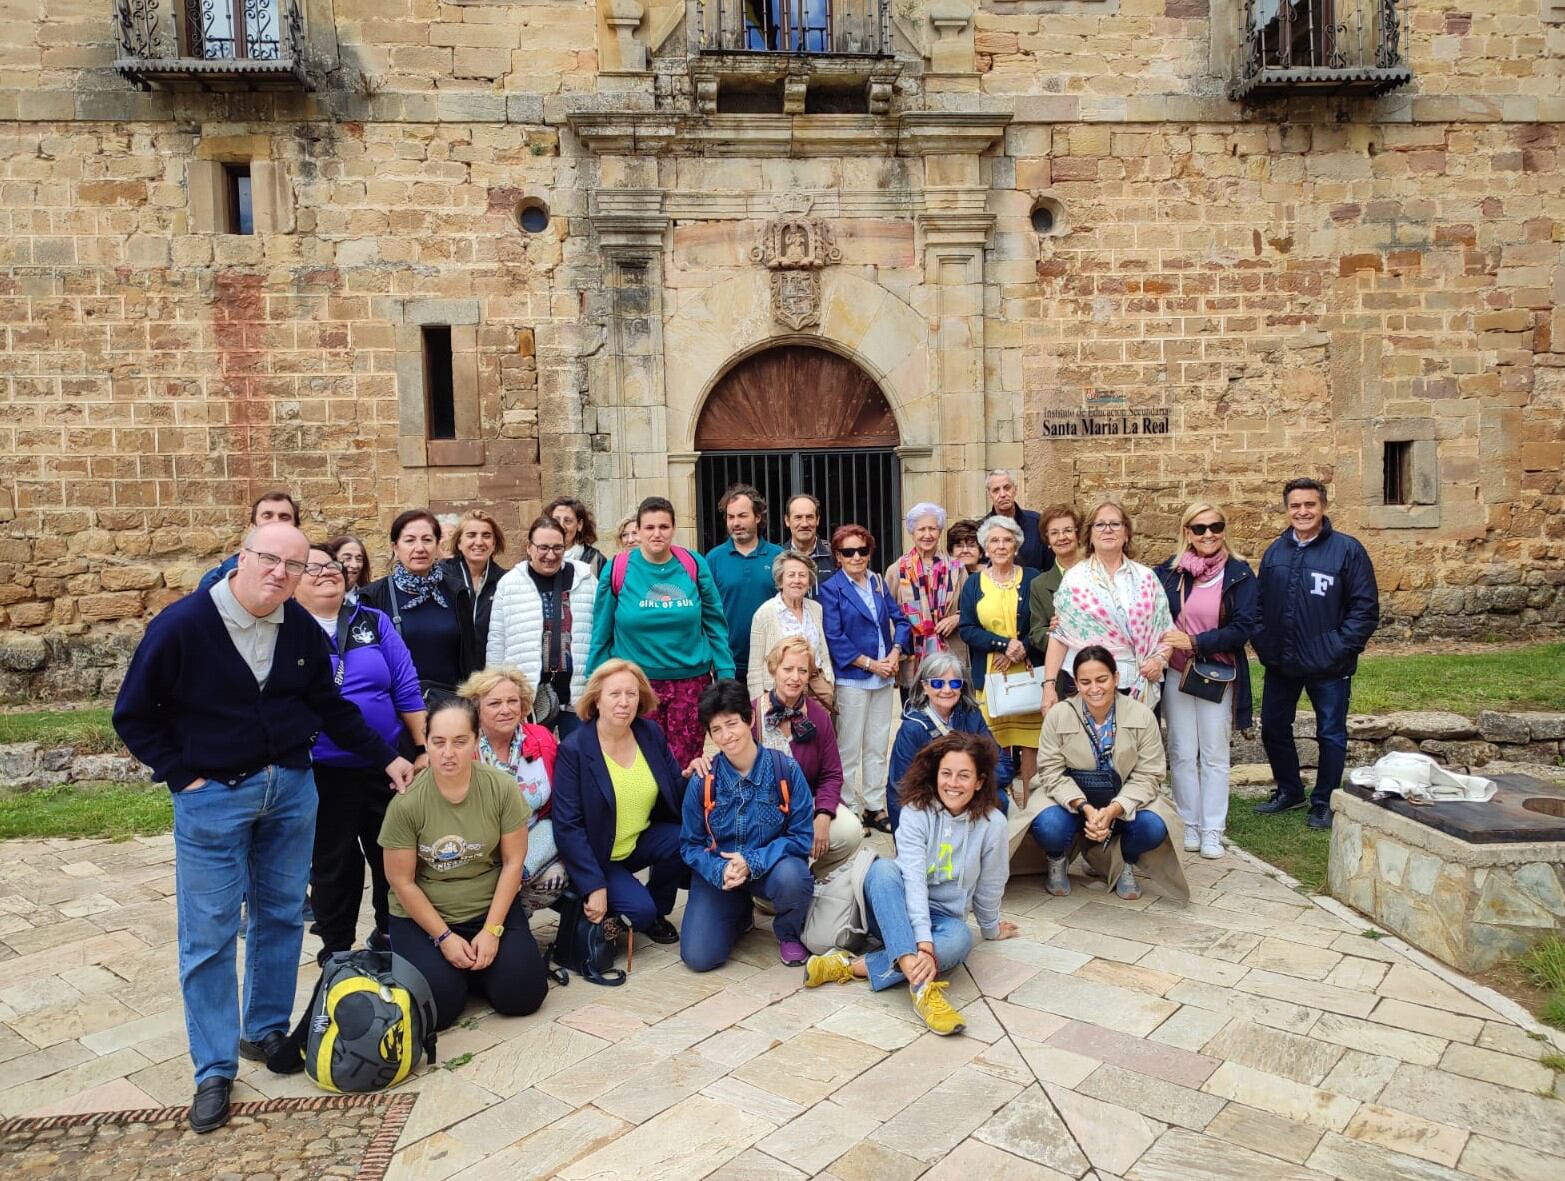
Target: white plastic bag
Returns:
[[1420, 780]]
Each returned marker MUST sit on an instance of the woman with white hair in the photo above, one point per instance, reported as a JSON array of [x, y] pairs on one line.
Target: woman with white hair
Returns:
[[995, 623], [927, 585]]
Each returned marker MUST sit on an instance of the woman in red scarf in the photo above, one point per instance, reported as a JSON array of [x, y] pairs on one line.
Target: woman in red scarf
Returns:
[[926, 584]]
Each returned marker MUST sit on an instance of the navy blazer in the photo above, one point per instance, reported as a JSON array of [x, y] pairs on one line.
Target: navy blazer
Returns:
[[1240, 621], [584, 807], [980, 641], [851, 629]]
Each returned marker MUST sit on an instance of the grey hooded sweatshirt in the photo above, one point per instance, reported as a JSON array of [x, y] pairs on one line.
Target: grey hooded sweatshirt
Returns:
[[952, 864]]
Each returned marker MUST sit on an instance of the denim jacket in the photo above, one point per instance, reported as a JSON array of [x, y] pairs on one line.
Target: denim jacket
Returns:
[[747, 816]]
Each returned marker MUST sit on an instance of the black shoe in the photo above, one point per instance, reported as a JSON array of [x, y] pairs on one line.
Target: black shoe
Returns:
[[663, 932], [209, 1108], [378, 941], [277, 1050], [1280, 802], [1319, 817]]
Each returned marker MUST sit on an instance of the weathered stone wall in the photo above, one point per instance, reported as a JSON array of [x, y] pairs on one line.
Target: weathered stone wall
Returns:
[[1494, 739]]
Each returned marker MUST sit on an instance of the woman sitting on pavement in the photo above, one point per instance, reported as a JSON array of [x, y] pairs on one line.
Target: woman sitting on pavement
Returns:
[[507, 741], [940, 705], [455, 844], [791, 612], [617, 799], [952, 857], [1120, 823], [747, 833]]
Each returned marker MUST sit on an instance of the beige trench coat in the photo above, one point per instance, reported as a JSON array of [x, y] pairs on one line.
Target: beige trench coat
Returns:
[[1139, 759]]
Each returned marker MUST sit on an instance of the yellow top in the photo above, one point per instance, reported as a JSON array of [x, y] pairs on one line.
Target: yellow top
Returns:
[[635, 793]]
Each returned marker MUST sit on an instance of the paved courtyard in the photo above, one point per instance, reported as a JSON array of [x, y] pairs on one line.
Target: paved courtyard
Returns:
[[1249, 1035]]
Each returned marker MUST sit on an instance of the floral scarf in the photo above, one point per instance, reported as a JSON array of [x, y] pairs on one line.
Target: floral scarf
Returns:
[[524, 749], [1090, 612], [416, 588], [925, 591]]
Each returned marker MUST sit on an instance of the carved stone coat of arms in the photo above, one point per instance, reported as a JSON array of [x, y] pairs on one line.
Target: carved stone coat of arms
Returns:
[[794, 248]]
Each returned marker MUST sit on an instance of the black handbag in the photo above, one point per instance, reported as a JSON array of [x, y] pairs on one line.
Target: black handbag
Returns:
[[1207, 679], [587, 948], [1100, 787]]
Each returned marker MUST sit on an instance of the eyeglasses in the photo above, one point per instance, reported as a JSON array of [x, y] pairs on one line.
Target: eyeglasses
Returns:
[[955, 683], [1108, 526], [1061, 534], [316, 569], [549, 549], [270, 561], [351, 561], [855, 551], [1216, 528]]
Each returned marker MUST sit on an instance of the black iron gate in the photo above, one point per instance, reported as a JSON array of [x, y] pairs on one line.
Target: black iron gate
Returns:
[[862, 485]]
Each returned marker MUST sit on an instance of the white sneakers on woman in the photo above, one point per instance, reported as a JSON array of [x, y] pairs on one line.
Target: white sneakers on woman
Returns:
[[1192, 839], [1211, 843]]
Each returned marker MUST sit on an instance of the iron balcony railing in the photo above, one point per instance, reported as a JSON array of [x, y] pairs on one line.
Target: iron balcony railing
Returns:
[[1322, 46], [800, 27], [209, 42]]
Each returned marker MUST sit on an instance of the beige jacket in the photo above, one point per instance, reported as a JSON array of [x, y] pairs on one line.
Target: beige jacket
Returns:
[[766, 630], [1139, 759]]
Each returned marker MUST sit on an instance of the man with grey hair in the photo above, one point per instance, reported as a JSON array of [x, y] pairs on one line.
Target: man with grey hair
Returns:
[[1001, 487]]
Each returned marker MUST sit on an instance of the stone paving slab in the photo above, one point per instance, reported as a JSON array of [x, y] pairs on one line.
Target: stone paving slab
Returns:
[[1250, 1034]]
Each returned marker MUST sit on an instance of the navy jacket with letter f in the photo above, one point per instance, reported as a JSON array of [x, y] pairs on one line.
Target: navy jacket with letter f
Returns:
[[1319, 606]]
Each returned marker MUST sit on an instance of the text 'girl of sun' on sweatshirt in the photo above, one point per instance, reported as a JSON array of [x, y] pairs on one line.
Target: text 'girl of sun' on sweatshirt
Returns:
[[672, 628], [952, 864]]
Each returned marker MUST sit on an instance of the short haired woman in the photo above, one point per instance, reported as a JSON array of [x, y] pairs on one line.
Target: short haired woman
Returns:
[[995, 624], [617, 799], [1100, 761], [508, 741], [941, 704], [1060, 525], [791, 612], [667, 617], [1111, 600], [952, 857], [454, 845], [476, 542], [350, 551], [373, 670], [581, 531], [1219, 611], [746, 834], [867, 635], [787, 720], [926, 584], [430, 606]]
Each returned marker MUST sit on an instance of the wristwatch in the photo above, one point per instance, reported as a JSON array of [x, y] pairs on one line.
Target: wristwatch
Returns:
[[495, 929], [437, 940], [419, 749]]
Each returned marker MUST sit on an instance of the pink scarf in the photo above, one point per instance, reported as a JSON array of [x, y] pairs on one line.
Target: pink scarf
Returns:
[[1201, 568]]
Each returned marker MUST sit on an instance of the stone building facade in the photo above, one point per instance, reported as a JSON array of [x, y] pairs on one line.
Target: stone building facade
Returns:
[[500, 250]]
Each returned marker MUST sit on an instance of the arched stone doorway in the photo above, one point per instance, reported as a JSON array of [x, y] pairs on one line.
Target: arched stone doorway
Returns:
[[796, 418]]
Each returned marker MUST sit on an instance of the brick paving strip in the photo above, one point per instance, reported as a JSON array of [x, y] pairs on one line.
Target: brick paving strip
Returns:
[[347, 1136]]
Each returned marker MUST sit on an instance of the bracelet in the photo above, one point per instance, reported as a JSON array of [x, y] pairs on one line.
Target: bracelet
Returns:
[[437, 940]]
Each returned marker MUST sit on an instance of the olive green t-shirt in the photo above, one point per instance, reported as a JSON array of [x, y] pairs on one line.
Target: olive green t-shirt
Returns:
[[458, 845]]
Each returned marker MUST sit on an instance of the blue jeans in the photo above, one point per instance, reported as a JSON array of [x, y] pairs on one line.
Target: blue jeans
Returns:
[[886, 902], [252, 843], [656, 849], [1055, 828], [1279, 703], [714, 918]]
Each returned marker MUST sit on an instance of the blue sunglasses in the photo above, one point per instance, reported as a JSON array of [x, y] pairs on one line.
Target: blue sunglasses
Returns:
[[943, 683]]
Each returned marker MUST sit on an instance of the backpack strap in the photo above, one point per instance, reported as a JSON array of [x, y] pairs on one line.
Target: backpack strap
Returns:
[[782, 787], [707, 804], [688, 561], [621, 563]]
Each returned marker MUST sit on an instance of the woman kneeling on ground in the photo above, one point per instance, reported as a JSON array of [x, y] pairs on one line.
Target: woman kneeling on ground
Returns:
[[455, 844], [952, 857], [747, 833], [1101, 761]]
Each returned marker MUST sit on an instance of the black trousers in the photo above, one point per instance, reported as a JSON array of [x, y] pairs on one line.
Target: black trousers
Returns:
[[347, 829], [515, 983]]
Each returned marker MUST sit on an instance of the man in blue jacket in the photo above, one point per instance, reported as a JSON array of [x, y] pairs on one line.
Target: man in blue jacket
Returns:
[[1034, 553], [223, 700], [1319, 607]]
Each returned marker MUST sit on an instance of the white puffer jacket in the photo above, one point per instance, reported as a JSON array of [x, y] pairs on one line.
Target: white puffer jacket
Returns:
[[516, 624]]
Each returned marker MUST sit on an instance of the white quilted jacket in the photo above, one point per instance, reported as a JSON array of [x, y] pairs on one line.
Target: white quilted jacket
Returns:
[[516, 624]]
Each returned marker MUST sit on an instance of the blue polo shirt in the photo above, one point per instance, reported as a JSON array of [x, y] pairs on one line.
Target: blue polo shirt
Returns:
[[744, 582]]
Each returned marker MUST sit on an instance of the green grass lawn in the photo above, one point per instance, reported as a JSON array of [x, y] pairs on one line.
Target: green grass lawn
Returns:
[[117, 810], [1282, 841], [87, 729]]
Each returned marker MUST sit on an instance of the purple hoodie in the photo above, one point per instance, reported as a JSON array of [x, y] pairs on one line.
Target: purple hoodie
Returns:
[[379, 679]]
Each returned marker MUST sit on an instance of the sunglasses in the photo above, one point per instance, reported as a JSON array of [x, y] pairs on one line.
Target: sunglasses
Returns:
[[946, 683], [1201, 530], [855, 551]]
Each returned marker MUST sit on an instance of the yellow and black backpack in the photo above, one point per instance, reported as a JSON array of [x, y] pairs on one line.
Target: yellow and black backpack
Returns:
[[369, 1022]]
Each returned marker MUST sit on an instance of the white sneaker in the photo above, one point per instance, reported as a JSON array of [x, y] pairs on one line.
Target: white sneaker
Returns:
[[1192, 839], [1211, 843]]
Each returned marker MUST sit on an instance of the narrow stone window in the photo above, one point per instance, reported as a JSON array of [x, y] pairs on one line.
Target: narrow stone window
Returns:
[[238, 206], [439, 382], [1397, 472]]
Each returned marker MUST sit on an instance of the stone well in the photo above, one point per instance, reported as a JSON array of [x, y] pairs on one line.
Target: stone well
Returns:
[[1469, 883]]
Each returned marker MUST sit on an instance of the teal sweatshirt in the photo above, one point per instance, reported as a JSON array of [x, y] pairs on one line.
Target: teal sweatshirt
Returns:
[[672, 629]]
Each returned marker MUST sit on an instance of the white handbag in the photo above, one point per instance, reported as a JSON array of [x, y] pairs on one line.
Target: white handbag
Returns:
[[1014, 694]]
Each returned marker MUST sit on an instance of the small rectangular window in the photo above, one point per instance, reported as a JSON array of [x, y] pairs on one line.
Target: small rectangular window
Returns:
[[1397, 473], [239, 212], [439, 382]]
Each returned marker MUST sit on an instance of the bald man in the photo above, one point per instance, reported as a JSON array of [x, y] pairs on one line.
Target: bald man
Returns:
[[223, 700]]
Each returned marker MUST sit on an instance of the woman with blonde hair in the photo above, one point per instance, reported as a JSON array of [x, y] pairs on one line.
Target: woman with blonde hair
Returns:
[[618, 801], [1112, 601], [476, 542], [790, 612], [1216, 600]]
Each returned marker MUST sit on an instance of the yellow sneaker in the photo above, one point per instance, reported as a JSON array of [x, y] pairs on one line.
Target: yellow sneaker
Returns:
[[835, 967], [930, 1003]]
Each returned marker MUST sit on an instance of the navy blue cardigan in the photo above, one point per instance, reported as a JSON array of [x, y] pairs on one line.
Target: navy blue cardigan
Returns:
[[189, 706], [980, 641], [584, 806], [1241, 619]]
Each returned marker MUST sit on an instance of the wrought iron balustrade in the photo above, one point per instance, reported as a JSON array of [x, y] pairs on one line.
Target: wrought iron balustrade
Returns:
[[797, 27], [210, 43], [1322, 46]]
